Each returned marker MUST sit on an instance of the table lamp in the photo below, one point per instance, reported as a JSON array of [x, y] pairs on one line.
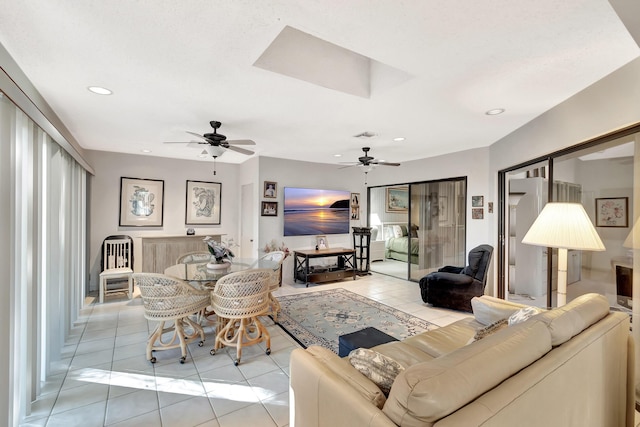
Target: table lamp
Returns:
[[563, 226], [375, 223]]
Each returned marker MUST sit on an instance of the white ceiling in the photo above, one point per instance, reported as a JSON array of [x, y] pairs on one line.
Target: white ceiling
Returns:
[[175, 65]]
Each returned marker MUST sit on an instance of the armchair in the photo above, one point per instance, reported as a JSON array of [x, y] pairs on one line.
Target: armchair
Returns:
[[454, 287]]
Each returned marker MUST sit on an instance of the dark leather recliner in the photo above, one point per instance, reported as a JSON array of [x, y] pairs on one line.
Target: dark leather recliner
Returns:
[[454, 287]]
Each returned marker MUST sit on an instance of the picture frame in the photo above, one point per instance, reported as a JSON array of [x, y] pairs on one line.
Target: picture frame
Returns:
[[270, 190], [203, 203], [477, 213], [477, 201], [397, 199], [322, 242], [612, 212], [269, 209], [141, 202], [355, 206]]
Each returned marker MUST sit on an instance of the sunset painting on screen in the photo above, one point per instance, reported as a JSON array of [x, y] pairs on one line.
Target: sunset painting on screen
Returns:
[[311, 211]]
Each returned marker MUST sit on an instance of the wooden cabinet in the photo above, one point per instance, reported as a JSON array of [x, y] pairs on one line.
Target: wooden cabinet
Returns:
[[306, 273], [158, 253]]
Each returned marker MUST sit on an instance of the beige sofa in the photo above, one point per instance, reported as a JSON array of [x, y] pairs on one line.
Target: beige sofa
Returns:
[[570, 366]]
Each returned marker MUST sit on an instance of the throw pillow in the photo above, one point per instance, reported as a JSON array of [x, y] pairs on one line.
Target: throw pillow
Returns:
[[488, 330], [523, 314], [397, 231], [380, 369]]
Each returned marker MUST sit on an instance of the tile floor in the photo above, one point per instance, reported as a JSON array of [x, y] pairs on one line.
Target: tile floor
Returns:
[[104, 378]]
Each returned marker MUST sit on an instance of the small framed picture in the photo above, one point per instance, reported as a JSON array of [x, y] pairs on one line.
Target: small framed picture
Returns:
[[477, 213], [355, 213], [477, 201], [355, 199], [322, 242], [141, 202], [612, 212], [269, 208], [203, 203], [270, 190]]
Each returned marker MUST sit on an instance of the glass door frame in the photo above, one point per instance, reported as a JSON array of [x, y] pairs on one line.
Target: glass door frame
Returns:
[[503, 200]]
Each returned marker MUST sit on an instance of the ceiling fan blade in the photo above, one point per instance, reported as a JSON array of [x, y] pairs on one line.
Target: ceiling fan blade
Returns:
[[176, 142], [240, 150], [241, 142], [384, 163], [197, 134], [195, 144]]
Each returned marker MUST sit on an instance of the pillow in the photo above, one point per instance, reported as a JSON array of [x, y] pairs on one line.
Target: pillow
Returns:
[[414, 231], [380, 369], [404, 230], [488, 330], [397, 231], [523, 314], [487, 309]]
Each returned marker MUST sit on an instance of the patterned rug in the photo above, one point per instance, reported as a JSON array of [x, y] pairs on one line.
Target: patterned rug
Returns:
[[319, 318]]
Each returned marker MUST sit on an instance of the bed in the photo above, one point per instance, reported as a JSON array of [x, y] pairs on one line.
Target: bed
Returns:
[[401, 244]]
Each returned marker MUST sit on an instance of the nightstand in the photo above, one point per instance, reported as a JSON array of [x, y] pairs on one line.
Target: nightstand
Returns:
[[376, 249]]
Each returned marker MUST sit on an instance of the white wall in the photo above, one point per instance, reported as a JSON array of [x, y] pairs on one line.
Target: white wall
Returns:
[[105, 199]]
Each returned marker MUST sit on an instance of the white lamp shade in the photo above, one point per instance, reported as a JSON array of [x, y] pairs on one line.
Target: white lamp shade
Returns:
[[375, 220], [564, 225]]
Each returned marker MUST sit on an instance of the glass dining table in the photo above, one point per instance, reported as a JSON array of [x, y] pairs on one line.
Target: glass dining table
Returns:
[[199, 275]]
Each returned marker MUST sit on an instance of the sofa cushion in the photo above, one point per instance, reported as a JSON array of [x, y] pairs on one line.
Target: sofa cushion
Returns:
[[487, 309], [429, 391], [571, 319], [444, 340], [380, 369], [344, 370]]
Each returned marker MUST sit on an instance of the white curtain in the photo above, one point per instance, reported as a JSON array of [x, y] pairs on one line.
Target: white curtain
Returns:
[[42, 262]]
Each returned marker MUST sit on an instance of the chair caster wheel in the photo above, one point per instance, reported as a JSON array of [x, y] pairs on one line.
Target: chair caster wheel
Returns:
[[236, 362], [152, 360], [268, 351], [182, 359], [212, 352], [201, 343]]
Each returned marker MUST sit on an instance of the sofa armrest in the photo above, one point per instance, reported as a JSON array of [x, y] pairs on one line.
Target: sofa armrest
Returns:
[[320, 396], [449, 279]]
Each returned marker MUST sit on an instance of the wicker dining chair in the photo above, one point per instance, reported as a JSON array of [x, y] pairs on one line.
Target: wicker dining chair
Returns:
[[167, 299], [274, 305], [238, 299]]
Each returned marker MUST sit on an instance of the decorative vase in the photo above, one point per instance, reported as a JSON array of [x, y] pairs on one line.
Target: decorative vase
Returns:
[[214, 265]]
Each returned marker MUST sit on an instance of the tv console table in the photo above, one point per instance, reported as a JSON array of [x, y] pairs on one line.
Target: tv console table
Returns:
[[312, 274]]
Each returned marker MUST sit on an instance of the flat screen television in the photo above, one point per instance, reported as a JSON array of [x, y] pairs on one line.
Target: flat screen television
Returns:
[[309, 211]]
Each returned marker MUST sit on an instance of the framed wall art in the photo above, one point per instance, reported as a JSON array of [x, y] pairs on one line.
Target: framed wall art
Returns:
[[477, 201], [477, 213], [612, 212], [397, 199], [203, 203], [270, 190], [141, 202], [269, 208]]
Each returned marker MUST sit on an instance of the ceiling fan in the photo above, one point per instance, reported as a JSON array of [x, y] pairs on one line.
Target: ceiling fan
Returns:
[[368, 162], [215, 139]]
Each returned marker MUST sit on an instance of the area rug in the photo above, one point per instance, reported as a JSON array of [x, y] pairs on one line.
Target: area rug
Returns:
[[319, 318]]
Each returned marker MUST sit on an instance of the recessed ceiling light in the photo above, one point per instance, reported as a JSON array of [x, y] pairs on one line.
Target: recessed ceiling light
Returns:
[[337, 155], [146, 150], [495, 111], [398, 139], [99, 90]]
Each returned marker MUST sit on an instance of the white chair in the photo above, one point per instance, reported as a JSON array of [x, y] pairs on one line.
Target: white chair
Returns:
[[117, 263], [276, 257], [167, 299], [238, 299]]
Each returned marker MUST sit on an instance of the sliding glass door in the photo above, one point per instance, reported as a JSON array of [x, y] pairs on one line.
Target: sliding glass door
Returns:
[[417, 227]]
